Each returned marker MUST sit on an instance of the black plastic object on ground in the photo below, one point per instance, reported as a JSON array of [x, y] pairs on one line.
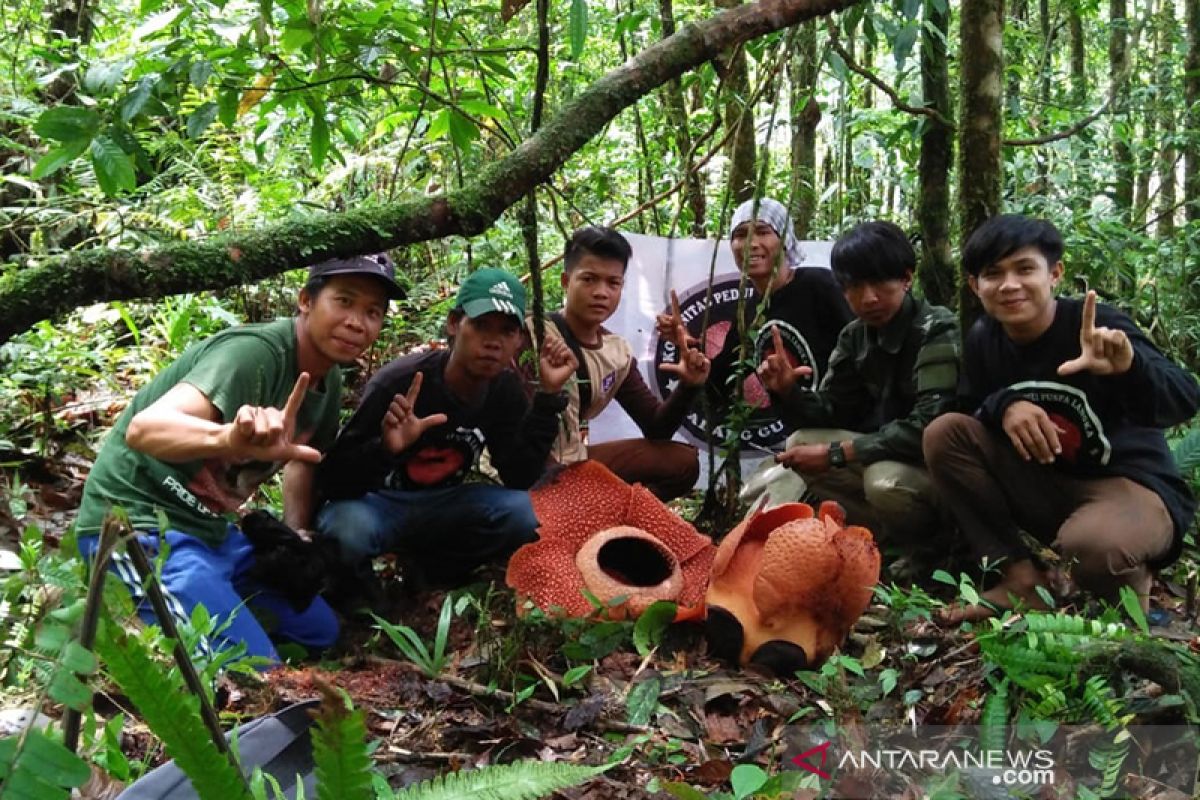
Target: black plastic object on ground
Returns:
[[280, 744]]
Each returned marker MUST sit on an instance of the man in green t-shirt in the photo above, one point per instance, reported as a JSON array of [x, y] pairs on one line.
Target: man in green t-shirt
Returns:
[[206, 431]]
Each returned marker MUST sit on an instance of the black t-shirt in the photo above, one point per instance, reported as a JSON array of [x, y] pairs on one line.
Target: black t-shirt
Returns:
[[517, 435], [1114, 423], [810, 311]]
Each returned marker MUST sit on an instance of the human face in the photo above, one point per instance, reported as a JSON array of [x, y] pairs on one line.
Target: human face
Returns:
[[486, 345], [1018, 292], [592, 289], [756, 249], [876, 302], [344, 318]]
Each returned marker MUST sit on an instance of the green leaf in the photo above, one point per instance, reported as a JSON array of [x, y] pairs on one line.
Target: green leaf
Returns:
[[70, 691], [837, 65], [102, 78], [440, 124], [912, 8], [578, 26], [481, 109], [67, 124], [1133, 607], [57, 158], [747, 779], [343, 765], [643, 700], [682, 791], [114, 168], [200, 119], [941, 576], [77, 658], [462, 131], [523, 780], [133, 103], [903, 45], [887, 680], [318, 142], [171, 711], [200, 72], [39, 767], [227, 103], [575, 674], [648, 630]]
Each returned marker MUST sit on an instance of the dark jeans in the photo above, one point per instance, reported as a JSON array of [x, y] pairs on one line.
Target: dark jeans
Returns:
[[1107, 528], [448, 531]]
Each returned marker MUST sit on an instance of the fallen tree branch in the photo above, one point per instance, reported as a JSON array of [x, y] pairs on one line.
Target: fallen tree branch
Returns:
[[41, 288]]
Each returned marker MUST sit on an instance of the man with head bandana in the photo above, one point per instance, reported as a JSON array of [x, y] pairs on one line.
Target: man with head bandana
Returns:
[[805, 304]]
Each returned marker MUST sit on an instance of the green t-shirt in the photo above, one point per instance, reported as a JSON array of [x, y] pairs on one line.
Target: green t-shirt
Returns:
[[248, 365]]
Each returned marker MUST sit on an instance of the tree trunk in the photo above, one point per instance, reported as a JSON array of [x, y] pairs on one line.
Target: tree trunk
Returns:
[[1078, 44], [1118, 39], [1165, 106], [677, 117], [936, 270], [1191, 93], [56, 284], [1144, 155], [981, 36], [806, 115], [739, 117]]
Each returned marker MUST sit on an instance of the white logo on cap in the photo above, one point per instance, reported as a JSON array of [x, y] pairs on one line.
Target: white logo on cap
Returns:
[[501, 288]]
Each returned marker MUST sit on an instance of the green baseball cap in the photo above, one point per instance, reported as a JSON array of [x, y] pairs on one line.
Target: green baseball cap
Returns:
[[488, 290]]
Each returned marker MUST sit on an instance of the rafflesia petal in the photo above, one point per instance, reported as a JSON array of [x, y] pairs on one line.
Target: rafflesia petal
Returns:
[[589, 518]]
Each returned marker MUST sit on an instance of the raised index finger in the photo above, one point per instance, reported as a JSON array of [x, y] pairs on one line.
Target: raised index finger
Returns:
[[414, 389], [291, 409], [1089, 315], [675, 312], [777, 340]]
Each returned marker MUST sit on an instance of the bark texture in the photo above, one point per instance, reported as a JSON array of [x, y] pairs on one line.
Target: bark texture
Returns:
[[1191, 93], [936, 270], [981, 36], [42, 288], [806, 115]]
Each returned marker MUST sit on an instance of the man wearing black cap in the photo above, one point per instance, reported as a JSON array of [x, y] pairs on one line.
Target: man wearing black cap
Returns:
[[197, 441], [396, 473]]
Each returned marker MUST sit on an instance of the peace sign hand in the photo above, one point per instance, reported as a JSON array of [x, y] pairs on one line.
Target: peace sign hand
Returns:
[[1102, 351], [776, 372], [670, 326], [693, 366], [401, 426], [263, 433]]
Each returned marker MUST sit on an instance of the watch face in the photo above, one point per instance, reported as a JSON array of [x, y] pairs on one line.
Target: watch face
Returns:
[[837, 456]]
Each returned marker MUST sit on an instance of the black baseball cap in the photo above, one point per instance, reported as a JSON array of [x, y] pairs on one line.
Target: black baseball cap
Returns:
[[378, 265]]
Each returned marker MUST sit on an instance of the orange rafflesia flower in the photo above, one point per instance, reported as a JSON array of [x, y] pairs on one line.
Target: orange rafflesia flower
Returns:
[[787, 586], [599, 534]]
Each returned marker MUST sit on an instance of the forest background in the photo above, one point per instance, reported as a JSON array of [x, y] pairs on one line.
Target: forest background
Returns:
[[165, 167]]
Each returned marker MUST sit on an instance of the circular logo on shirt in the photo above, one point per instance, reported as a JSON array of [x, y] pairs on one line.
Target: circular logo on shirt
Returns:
[[763, 429]]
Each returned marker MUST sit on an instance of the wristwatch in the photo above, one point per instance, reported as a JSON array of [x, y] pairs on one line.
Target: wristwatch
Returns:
[[837, 456]]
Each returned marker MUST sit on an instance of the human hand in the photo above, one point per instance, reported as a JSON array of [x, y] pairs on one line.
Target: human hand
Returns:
[[693, 366], [263, 433], [670, 326], [1032, 432], [401, 426], [810, 458], [556, 365], [1102, 351], [776, 372]]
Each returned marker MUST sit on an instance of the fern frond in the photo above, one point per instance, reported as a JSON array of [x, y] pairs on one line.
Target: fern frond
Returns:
[[343, 765], [993, 720], [524, 780], [172, 713], [36, 767], [1108, 759], [1187, 452]]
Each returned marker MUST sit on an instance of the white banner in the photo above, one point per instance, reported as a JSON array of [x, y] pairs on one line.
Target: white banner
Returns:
[[658, 266]]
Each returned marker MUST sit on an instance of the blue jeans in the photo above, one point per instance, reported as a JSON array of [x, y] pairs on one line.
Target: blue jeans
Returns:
[[197, 574], [449, 531]]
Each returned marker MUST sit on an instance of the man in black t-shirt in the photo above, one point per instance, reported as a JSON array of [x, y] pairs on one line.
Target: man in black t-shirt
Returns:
[[395, 474], [1069, 402]]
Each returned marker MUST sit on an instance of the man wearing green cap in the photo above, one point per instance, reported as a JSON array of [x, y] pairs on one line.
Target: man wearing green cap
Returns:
[[394, 477]]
